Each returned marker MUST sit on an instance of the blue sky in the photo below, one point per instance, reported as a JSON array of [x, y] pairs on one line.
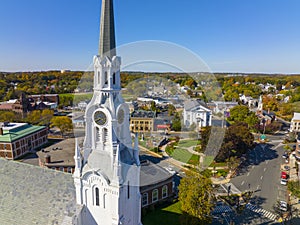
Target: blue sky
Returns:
[[229, 35]]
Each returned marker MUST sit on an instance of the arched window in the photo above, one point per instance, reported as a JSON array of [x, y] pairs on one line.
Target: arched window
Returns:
[[99, 77], [145, 199], [97, 200], [104, 135], [114, 78], [105, 77], [154, 195], [165, 191], [104, 201], [128, 190], [97, 138]]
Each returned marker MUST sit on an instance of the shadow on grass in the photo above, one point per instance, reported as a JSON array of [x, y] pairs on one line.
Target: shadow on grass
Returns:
[[163, 215]]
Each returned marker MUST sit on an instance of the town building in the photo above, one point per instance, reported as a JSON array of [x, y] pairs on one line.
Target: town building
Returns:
[[156, 184], [221, 107], [59, 156], [19, 106], [24, 104], [142, 121], [18, 139], [295, 123], [196, 112]]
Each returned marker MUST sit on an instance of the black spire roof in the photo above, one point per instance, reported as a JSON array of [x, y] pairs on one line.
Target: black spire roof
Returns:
[[107, 42]]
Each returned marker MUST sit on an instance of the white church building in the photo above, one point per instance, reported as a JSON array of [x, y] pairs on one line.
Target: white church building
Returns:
[[107, 168], [197, 113]]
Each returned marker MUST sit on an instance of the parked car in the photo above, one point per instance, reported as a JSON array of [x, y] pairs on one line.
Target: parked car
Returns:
[[284, 175], [283, 181], [283, 206], [286, 168], [285, 156]]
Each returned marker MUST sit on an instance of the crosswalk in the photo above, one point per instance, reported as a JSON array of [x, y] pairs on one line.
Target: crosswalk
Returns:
[[261, 211], [222, 209]]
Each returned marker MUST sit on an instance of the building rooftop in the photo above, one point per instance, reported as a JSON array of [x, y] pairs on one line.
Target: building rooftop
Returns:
[[143, 114], [191, 104], [33, 195], [296, 116], [61, 153], [152, 173], [15, 131]]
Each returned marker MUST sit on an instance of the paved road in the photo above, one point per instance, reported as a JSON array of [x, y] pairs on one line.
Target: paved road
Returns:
[[262, 175]]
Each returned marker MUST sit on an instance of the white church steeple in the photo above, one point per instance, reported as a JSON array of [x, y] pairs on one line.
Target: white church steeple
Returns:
[[107, 175]]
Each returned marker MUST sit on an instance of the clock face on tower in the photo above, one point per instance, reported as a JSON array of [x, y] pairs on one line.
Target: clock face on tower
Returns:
[[100, 118], [121, 116]]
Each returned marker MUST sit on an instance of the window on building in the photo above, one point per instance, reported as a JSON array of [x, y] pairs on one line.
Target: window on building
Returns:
[[128, 190], [165, 191], [97, 135], [105, 78], [114, 78], [145, 199], [69, 169], [97, 200], [104, 135], [154, 195], [104, 201], [61, 169]]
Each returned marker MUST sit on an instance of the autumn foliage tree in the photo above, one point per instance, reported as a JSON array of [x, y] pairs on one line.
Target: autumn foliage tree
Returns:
[[63, 123], [195, 196]]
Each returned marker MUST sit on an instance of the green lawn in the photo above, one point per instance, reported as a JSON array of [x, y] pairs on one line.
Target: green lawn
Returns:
[[182, 155], [208, 160], [188, 143], [194, 160], [221, 164], [163, 216]]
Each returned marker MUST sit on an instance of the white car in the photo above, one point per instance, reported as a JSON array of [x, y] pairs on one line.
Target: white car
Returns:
[[283, 181], [283, 206]]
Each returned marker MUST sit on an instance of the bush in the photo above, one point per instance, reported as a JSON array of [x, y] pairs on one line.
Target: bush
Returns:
[[294, 188]]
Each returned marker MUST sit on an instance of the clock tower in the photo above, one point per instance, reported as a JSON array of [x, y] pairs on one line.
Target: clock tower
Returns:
[[107, 170]]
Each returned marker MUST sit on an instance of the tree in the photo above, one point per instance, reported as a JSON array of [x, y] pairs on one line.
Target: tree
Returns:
[[63, 123], [195, 195], [46, 115], [239, 113], [237, 141], [171, 110], [34, 117], [7, 117], [176, 122], [251, 119]]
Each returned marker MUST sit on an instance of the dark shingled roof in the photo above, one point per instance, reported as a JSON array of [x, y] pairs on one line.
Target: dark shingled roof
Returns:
[[33, 195]]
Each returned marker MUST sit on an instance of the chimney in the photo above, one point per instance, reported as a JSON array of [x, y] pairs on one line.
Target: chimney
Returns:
[[47, 159]]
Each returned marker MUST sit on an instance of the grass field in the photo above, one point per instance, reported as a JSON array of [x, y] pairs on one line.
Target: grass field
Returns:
[[194, 160], [182, 155], [208, 160], [188, 143], [163, 216]]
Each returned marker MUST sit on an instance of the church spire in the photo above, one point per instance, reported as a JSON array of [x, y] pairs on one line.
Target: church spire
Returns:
[[107, 42]]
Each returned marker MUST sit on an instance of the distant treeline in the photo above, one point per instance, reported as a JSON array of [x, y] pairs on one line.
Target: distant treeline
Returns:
[[56, 82]]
